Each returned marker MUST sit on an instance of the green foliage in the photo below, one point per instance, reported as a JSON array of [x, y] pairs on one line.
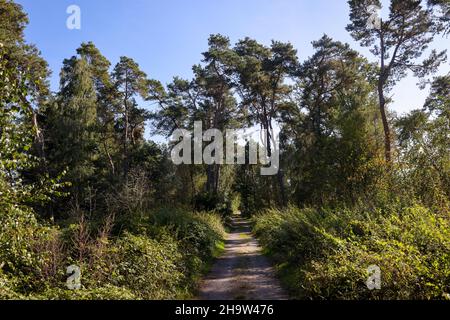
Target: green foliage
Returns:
[[152, 269], [28, 250], [161, 256], [198, 232], [7, 289], [107, 292], [324, 254], [442, 11], [25, 59], [252, 188], [72, 126], [15, 139], [17, 228], [332, 151], [398, 42], [425, 157], [213, 202], [163, 259]]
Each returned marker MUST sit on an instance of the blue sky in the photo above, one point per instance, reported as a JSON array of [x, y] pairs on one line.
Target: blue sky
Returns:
[[166, 37]]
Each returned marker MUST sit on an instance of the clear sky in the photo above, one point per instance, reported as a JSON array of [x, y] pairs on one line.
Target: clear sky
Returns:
[[166, 37]]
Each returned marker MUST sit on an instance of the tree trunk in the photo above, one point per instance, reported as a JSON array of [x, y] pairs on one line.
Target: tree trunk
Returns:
[[280, 177], [108, 154], [268, 138], [212, 178], [384, 76], [125, 140], [217, 179], [194, 191], [387, 131], [209, 178]]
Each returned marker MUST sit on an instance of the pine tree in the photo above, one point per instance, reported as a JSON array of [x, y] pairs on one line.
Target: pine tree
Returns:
[[72, 130], [331, 130], [261, 74], [31, 68], [130, 83], [442, 8], [398, 43], [107, 100]]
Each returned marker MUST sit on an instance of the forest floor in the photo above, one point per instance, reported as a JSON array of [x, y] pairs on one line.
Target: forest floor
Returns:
[[242, 272]]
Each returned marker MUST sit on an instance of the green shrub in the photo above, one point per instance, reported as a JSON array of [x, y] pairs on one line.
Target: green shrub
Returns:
[[17, 228], [7, 288], [149, 268], [199, 233], [325, 254], [24, 255], [107, 292], [199, 236], [162, 258]]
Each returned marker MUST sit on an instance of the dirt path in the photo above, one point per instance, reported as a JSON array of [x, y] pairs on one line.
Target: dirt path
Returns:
[[243, 272]]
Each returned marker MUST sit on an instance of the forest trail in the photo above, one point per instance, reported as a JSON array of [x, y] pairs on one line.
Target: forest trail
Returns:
[[242, 272]]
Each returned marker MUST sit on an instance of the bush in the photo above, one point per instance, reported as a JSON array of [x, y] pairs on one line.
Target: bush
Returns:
[[198, 233], [149, 268], [23, 255], [7, 288], [107, 292], [17, 228], [161, 257], [325, 254]]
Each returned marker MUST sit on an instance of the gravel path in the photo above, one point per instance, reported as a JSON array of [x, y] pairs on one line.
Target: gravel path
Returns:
[[243, 272]]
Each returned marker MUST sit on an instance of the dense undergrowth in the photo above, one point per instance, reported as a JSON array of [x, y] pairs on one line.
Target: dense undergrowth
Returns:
[[159, 257], [325, 254]]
